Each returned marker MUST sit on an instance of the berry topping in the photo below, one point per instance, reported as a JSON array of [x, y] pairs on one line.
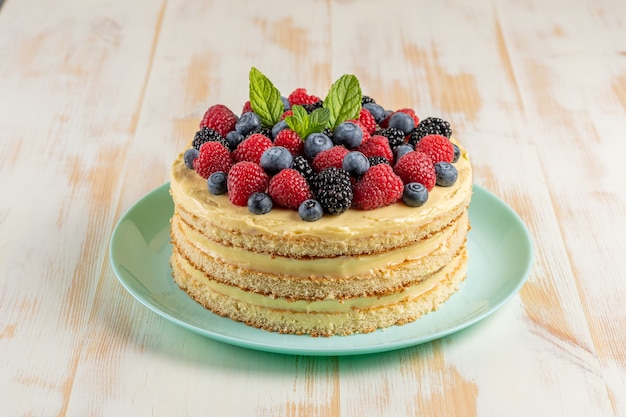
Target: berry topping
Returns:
[[395, 136], [437, 147], [310, 108], [189, 156], [278, 127], [430, 126], [367, 120], [244, 179], [275, 159], [260, 203], [333, 190], [377, 111], [252, 148], [411, 113], [402, 122], [219, 118], [248, 122], [213, 157], [376, 146], [310, 210], [289, 189], [446, 174], [366, 99], [348, 134], [234, 138], [416, 167], [401, 150], [356, 164], [327, 158], [290, 140], [375, 160], [379, 187], [415, 194], [457, 152], [216, 183], [206, 134], [316, 143], [300, 96], [246, 107], [301, 165]]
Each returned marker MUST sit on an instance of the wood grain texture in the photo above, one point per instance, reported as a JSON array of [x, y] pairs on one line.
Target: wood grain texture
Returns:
[[97, 99]]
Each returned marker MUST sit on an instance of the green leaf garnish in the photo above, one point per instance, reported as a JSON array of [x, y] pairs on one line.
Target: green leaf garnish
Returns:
[[343, 100], [265, 99], [304, 124]]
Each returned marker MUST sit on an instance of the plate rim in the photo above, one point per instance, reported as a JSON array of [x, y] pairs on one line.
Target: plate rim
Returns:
[[323, 351]]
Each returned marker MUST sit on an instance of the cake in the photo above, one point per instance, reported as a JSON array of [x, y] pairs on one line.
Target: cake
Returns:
[[364, 233]]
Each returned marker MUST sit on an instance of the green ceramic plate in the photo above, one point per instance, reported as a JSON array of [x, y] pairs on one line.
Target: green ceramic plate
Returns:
[[500, 252]]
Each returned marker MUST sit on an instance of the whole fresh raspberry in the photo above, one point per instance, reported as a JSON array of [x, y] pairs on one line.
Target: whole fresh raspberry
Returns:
[[212, 157], [366, 133], [377, 146], [286, 113], [290, 140], [247, 107], [416, 166], [332, 157], [289, 189], [367, 121], [219, 118], [437, 147], [299, 96], [244, 179], [379, 187], [252, 148]]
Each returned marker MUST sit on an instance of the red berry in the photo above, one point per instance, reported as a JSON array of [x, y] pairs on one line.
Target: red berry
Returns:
[[289, 189], [379, 187], [213, 157], [286, 113], [244, 179], [367, 121], [377, 146], [437, 147], [252, 148], [299, 96], [328, 158], [366, 133], [248, 108], [290, 140], [219, 118], [416, 166]]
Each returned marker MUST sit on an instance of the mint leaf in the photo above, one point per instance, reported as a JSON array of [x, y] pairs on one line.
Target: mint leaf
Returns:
[[343, 100], [265, 98], [304, 124]]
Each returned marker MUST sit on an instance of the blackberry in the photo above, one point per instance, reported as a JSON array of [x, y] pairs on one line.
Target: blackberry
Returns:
[[367, 99], [328, 132], [376, 160], [206, 134], [430, 126], [262, 130], [333, 190], [395, 136], [312, 107], [301, 165]]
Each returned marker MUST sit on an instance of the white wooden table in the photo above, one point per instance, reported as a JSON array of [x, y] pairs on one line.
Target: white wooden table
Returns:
[[96, 99]]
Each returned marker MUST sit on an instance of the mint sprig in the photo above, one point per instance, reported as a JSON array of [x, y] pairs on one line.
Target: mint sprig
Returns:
[[265, 99], [343, 100], [304, 123]]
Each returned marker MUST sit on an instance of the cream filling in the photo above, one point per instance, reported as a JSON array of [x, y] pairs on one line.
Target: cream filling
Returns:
[[189, 191], [324, 306], [336, 267]]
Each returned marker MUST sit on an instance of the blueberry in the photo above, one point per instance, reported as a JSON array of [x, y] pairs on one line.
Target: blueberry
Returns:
[[402, 121], [190, 155], [275, 159], [415, 194], [234, 138], [260, 203], [248, 122], [316, 143], [348, 134], [446, 174], [278, 127], [401, 150], [457, 152], [376, 110], [355, 163], [217, 183], [310, 210], [286, 103]]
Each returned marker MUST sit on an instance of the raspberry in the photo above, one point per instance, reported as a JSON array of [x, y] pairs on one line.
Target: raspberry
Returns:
[[286, 113], [437, 147], [219, 118], [289, 189], [416, 167], [290, 140], [366, 133], [379, 187], [367, 121], [377, 146], [244, 179], [411, 113], [332, 157], [299, 96], [252, 148], [213, 157], [206, 134], [247, 107]]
